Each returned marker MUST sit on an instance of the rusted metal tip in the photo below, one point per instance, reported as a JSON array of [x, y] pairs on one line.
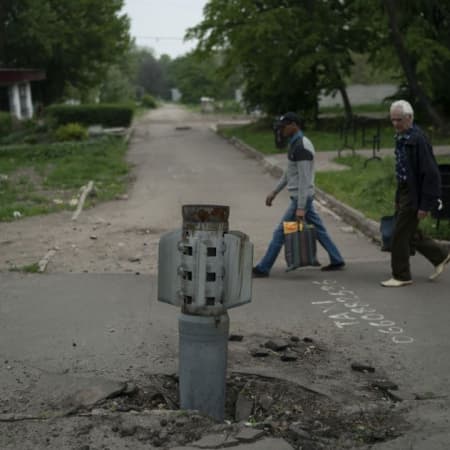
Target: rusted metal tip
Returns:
[[205, 213]]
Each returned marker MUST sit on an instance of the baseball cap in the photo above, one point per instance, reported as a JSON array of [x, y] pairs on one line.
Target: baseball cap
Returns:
[[290, 117]]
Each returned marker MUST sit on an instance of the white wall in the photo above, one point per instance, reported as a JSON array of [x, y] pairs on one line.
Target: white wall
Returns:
[[361, 94]]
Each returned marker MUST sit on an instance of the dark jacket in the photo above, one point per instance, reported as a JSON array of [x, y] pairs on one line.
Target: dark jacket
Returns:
[[424, 179]]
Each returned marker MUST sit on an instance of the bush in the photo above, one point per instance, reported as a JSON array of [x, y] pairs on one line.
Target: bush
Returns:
[[148, 101], [5, 123], [108, 115], [71, 132], [48, 151], [30, 139]]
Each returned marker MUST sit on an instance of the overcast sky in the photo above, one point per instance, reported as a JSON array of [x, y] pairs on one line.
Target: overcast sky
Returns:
[[161, 24]]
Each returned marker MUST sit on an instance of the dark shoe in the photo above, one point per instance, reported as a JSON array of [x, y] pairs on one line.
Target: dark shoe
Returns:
[[330, 267], [258, 273]]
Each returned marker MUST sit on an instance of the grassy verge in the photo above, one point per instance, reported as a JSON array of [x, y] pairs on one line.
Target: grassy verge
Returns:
[[357, 109], [371, 189], [328, 138], [38, 179], [30, 268], [323, 140]]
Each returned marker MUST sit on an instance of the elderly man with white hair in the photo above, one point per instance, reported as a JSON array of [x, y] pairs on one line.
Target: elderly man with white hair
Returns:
[[418, 190]]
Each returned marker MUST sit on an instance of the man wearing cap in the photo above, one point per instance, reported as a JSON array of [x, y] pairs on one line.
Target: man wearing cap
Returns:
[[299, 180]]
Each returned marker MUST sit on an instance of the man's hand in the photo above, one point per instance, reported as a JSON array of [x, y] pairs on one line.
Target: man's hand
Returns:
[[422, 214], [269, 198], [300, 214]]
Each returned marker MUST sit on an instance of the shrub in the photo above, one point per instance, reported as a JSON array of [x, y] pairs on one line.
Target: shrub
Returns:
[[71, 132], [5, 123], [31, 139], [148, 101], [108, 115]]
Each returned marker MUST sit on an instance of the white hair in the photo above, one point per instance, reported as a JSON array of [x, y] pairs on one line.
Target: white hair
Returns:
[[404, 106]]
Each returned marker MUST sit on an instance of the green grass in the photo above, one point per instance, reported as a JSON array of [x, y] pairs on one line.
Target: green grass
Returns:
[[262, 140], [30, 268], [368, 189], [357, 109], [324, 140], [371, 189], [34, 176], [328, 138]]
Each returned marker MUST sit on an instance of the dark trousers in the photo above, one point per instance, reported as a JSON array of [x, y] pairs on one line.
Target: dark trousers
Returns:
[[407, 236]]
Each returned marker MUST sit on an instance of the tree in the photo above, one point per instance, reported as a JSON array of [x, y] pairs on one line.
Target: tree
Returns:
[[414, 35], [75, 42], [197, 75], [435, 55], [287, 51], [116, 87], [151, 73], [24, 42], [253, 42]]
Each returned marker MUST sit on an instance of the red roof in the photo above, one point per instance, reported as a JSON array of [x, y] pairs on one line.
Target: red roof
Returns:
[[10, 76]]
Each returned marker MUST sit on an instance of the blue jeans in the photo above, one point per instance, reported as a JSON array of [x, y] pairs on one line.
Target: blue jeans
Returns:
[[311, 217]]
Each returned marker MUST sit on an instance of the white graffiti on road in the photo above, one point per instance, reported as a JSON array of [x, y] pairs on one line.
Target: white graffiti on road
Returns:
[[356, 311]]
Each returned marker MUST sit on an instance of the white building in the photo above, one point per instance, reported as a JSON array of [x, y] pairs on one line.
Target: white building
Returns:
[[360, 94], [15, 91]]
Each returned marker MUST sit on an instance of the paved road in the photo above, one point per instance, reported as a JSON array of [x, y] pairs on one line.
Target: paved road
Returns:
[[111, 324]]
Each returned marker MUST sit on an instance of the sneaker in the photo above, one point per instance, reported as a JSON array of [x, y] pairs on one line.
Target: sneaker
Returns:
[[392, 282], [333, 266], [258, 273], [439, 268]]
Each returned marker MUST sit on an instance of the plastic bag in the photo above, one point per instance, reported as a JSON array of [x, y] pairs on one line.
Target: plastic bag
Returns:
[[300, 248]]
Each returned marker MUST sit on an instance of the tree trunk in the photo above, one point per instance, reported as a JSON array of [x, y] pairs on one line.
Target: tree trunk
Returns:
[[408, 67], [3, 17], [347, 105]]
